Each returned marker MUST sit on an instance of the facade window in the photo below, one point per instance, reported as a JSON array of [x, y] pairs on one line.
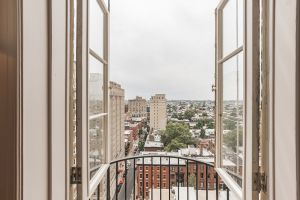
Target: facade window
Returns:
[[147, 184], [146, 175], [201, 185], [141, 175]]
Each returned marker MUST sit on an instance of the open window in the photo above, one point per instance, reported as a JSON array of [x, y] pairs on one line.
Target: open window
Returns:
[[92, 142], [237, 95]]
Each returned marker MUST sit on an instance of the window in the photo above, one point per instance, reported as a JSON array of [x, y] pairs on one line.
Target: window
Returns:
[[201, 175], [201, 185], [96, 81], [141, 175], [146, 175], [157, 176]]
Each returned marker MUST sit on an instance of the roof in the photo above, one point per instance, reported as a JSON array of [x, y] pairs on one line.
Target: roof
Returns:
[[153, 144]]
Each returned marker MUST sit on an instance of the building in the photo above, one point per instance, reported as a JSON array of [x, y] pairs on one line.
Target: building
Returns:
[[158, 112], [137, 107], [116, 95], [153, 175]]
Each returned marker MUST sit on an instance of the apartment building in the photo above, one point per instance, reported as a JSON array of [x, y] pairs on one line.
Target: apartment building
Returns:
[[153, 175], [117, 115], [158, 112], [137, 107]]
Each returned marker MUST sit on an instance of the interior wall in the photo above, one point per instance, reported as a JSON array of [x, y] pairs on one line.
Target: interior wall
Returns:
[[8, 99], [284, 96], [35, 100]]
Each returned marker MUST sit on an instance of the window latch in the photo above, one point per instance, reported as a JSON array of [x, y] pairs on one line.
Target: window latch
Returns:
[[75, 175]]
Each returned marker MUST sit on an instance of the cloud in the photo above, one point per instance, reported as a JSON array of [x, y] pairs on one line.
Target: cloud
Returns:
[[163, 46]]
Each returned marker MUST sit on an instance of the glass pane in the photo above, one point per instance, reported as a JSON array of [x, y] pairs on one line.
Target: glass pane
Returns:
[[95, 89], [232, 148], [232, 26], [96, 19], [96, 145]]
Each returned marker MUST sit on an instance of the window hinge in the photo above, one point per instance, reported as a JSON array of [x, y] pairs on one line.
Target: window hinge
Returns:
[[75, 175], [260, 182]]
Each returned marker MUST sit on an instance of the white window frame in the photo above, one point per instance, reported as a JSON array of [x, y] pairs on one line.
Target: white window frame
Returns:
[[251, 103], [86, 189]]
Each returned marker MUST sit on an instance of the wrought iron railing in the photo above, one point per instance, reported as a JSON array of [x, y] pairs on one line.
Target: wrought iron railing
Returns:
[[161, 176]]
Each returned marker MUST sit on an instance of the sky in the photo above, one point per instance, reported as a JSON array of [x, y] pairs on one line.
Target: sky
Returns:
[[163, 46]]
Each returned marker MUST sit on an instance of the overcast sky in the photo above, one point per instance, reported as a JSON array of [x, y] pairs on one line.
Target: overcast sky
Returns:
[[163, 46]]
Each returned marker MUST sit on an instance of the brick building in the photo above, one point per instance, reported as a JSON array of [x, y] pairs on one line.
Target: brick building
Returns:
[[156, 175]]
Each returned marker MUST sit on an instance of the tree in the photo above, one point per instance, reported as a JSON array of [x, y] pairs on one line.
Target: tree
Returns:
[[229, 124], [141, 145], [174, 115], [188, 114], [140, 132], [192, 181], [176, 136], [202, 134], [230, 139]]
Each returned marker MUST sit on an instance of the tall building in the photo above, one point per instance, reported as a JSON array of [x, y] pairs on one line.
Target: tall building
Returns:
[[137, 107], [117, 112], [158, 112]]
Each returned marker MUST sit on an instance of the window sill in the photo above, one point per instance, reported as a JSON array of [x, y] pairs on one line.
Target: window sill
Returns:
[[230, 183]]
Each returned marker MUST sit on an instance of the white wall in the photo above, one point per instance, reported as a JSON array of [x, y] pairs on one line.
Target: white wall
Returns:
[[284, 97], [44, 100], [35, 103]]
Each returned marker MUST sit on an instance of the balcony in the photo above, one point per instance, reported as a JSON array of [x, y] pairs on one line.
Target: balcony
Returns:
[[161, 176]]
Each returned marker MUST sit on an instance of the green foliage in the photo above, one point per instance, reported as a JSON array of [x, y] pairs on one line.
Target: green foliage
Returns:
[[202, 134], [230, 139], [141, 145], [188, 114], [140, 132], [174, 115], [209, 122], [229, 124], [176, 136], [192, 180], [180, 116]]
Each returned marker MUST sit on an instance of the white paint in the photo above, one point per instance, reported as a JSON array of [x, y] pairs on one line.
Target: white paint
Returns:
[[35, 155]]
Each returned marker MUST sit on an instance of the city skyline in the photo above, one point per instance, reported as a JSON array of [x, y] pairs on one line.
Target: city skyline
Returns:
[[177, 60]]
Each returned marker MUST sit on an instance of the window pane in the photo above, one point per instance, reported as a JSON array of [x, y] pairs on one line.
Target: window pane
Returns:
[[232, 148], [96, 145], [95, 87], [96, 19], [232, 26]]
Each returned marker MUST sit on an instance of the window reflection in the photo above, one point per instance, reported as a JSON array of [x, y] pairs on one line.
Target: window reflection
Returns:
[[95, 87], [96, 151], [232, 148]]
